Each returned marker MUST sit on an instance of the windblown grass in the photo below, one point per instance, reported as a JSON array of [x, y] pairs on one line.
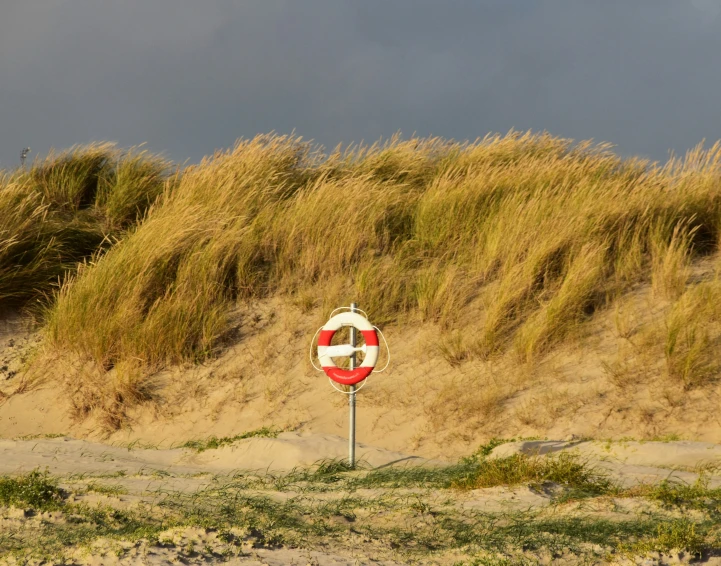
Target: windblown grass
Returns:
[[67, 208], [521, 238], [693, 335]]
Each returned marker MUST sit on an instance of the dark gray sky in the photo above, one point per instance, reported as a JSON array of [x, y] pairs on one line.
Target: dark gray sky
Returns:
[[188, 77]]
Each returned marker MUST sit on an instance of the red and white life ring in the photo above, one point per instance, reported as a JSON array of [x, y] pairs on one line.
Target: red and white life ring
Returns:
[[347, 376]]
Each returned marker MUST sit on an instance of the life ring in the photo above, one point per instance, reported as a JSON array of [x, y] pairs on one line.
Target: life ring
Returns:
[[348, 376]]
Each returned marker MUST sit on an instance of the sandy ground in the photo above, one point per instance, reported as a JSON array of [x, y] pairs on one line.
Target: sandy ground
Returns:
[[141, 474], [630, 463], [290, 450]]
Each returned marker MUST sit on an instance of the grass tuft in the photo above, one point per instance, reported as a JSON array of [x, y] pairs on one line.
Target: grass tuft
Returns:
[[675, 535], [565, 469], [673, 493], [214, 442], [36, 489]]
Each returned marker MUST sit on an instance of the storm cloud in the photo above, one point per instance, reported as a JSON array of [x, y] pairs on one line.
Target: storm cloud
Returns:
[[189, 77]]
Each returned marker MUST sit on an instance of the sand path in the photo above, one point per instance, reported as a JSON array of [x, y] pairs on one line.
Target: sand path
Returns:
[[289, 450], [628, 462]]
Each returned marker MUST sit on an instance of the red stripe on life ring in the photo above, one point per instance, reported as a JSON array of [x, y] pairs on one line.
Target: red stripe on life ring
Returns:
[[347, 376], [325, 337], [371, 337]]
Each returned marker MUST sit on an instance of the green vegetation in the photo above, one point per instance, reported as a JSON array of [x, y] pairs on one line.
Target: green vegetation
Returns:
[[36, 489], [675, 534], [51, 540], [486, 449], [106, 489], [564, 469], [410, 514], [673, 493], [214, 442], [474, 473]]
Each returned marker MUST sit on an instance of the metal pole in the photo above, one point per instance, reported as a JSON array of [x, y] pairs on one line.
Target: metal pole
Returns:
[[351, 397]]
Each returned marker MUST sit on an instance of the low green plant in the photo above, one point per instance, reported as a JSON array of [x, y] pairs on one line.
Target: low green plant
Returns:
[[486, 449], [442, 477], [411, 525], [36, 489], [106, 489], [674, 535], [565, 469], [697, 495], [333, 467], [214, 442]]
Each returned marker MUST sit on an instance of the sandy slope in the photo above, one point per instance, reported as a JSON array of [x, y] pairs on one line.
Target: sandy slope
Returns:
[[423, 405], [606, 383]]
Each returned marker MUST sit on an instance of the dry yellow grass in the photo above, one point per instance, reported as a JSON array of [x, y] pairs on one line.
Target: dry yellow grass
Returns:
[[693, 335], [67, 208], [517, 238]]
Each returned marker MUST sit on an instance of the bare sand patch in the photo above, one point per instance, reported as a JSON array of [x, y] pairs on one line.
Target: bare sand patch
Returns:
[[287, 451]]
